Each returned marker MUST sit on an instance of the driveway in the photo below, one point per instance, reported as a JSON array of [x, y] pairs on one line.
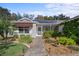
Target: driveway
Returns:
[[37, 48]]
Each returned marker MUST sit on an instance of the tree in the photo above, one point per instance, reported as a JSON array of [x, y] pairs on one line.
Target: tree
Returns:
[[55, 17], [39, 17], [45, 17], [19, 16], [31, 16], [4, 27], [14, 16], [5, 16], [50, 18], [28, 16], [4, 12], [63, 17]]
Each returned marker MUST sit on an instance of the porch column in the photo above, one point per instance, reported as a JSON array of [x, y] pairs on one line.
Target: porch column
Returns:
[[41, 29], [23, 30], [50, 26]]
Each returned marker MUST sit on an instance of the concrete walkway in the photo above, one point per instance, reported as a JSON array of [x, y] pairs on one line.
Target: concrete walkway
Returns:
[[37, 48]]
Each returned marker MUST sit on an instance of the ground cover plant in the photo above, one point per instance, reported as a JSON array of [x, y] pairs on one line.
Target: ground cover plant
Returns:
[[12, 49], [25, 39]]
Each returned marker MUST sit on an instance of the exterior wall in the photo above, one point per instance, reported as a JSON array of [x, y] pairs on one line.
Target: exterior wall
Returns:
[[33, 31], [61, 28]]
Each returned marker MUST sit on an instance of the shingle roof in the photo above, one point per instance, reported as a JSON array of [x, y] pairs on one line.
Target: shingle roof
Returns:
[[49, 21], [26, 20]]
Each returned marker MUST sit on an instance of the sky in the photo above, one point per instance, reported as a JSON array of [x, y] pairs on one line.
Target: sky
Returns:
[[46, 9]]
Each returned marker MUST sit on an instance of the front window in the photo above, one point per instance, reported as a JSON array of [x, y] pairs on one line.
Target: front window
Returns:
[[26, 30], [20, 30], [23, 30]]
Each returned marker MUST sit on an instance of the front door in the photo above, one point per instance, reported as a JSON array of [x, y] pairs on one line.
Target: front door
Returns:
[[39, 30]]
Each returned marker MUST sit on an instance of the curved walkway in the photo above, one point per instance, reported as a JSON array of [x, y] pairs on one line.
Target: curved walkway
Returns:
[[37, 48]]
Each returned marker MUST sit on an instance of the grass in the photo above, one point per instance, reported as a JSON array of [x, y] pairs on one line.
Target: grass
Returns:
[[12, 49], [25, 39], [15, 49]]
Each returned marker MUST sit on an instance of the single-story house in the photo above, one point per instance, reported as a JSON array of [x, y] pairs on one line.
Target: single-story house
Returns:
[[35, 28]]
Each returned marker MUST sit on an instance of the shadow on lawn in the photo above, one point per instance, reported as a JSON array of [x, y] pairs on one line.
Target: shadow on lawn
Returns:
[[4, 47]]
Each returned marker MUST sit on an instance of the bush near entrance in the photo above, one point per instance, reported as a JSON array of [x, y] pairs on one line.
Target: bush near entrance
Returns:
[[47, 34]]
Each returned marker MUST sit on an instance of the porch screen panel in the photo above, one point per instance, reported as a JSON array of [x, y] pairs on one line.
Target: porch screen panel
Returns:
[[46, 28]]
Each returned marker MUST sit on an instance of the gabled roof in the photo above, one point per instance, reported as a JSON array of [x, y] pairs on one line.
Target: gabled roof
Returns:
[[24, 20]]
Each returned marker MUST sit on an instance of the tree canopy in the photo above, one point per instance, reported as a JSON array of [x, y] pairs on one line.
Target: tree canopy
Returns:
[[5, 16], [59, 17]]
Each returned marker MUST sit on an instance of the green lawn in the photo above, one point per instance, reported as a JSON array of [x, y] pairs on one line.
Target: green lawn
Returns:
[[12, 49]]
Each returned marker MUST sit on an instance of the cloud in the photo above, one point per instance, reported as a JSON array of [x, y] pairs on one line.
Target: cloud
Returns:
[[67, 9]]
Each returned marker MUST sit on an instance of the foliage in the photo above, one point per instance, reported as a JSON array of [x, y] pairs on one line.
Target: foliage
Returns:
[[14, 16], [51, 33], [12, 49], [71, 29], [4, 21], [47, 34], [56, 34], [25, 39], [59, 17], [63, 17], [4, 27], [19, 16], [4, 12], [66, 41], [28, 16]]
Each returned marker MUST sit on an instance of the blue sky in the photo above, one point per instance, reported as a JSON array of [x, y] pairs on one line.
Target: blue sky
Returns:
[[49, 9]]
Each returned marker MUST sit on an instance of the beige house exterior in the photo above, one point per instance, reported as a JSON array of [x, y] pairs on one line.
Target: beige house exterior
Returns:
[[35, 28]]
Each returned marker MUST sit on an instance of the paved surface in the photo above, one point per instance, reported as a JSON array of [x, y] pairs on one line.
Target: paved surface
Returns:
[[37, 48]]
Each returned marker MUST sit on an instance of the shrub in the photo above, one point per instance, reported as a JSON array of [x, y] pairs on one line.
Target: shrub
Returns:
[[47, 34], [62, 40], [71, 42], [66, 41], [25, 39], [56, 33]]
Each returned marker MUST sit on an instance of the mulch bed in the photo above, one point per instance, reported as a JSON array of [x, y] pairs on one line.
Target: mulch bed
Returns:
[[59, 50]]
